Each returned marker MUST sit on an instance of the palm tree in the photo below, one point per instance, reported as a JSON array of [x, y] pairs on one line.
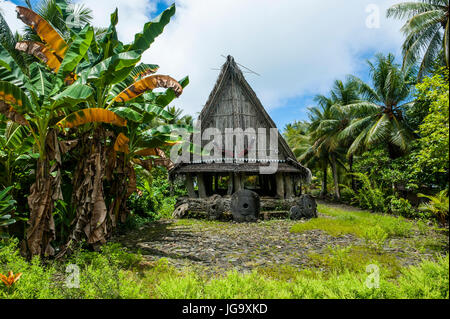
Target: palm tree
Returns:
[[327, 121], [319, 149], [426, 31], [64, 15], [379, 118], [296, 135]]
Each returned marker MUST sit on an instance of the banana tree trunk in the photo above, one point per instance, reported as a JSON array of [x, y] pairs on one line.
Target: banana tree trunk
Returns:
[[337, 192], [43, 193], [88, 195], [41, 226], [123, 184]]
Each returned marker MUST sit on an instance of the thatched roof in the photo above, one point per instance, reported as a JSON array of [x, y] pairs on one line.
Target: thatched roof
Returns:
[[232, 103]]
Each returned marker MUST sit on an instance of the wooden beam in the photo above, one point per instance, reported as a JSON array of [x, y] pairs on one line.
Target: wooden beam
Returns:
[[190, 186]]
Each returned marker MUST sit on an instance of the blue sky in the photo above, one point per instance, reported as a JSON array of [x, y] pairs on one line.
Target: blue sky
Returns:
[[298, 47]]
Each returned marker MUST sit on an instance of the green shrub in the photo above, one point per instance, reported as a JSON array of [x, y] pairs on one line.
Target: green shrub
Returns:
[[438, 206], [375, 237], [153, 200], [402, 207], [7, 206], [368, 195]]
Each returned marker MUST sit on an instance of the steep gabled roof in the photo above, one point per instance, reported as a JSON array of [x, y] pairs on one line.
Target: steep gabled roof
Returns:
[[230, 68], [230, 74]]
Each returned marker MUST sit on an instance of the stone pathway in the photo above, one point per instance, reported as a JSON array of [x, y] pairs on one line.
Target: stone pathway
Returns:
[[217, 247]]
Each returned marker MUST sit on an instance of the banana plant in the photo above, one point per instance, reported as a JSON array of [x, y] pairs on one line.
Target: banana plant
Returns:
[[7, 204], [124, 99], [37, 99], [83, 82], [16, 153]]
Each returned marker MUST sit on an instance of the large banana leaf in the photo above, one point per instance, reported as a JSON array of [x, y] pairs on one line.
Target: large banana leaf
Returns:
[[163, 99], [77, 50], [41, 52], [148, 83], [110, 43], [152, 29], [121, 143], [13, 102], [128, 113], [14, 135], [40, 80], [168, 129], [153, 109], [10, 71], [43, 29], [91, 115], [147, 140], [73, 95], [142, 70], [113, 69]]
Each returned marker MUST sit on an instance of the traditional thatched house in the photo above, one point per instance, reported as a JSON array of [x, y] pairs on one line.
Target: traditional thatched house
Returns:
[[233, 104]]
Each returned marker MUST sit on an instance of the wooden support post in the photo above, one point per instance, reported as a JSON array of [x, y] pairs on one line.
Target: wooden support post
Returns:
[[216, 183], [190, 186], [230, 184], [280, 185], [201, 186], [237, 182], [288, 186], [208, 179]]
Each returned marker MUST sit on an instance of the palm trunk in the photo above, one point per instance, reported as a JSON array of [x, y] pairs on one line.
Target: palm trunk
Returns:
[[337, 192], [350, 163], [324, 191]]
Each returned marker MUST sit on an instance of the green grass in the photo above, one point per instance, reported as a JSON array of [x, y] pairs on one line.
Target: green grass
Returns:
[[115, 273], [371, 226], [355, 259]]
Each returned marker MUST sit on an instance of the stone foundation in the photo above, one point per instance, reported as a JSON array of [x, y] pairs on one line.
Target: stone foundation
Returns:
[[218, 208]]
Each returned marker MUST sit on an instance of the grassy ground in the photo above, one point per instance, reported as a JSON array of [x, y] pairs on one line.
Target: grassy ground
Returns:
[[370, 270]]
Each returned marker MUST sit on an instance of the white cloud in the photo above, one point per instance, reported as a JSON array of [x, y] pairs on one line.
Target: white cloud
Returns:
[[298, 47], [133, 14], [7, 8]]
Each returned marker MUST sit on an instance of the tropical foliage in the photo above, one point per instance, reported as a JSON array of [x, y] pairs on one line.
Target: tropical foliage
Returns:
[[76, 95], [385, 141], [426, 31]]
